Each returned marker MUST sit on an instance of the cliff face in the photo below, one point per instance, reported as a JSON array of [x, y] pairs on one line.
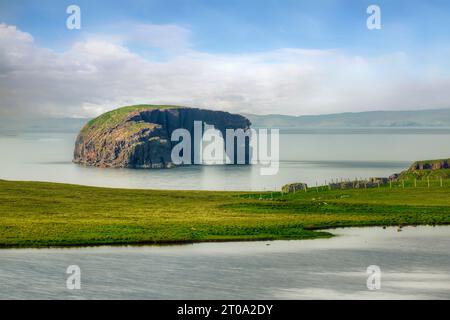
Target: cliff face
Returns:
[[430, 165], [139, 136], [433, 169]]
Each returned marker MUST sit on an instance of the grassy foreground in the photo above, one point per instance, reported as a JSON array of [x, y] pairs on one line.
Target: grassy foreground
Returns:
[[37, 214]]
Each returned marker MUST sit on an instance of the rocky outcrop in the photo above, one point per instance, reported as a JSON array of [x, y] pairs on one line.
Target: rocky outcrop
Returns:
[[294, 187], [430, 165], [139, 136], [419, 170]]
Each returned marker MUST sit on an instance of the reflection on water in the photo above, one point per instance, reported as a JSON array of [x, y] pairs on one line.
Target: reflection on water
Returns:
[[415, 264], [306, 156]]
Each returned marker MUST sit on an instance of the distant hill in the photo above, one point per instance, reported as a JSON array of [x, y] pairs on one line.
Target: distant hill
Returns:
[[420, 118], [437, 118]]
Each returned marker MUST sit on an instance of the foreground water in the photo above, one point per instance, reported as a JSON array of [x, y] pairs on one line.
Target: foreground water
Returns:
[[306, 155], [414, 263]]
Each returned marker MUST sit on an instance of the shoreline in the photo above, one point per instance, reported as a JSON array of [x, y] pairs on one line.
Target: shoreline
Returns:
[[54, 215], [190, 242]]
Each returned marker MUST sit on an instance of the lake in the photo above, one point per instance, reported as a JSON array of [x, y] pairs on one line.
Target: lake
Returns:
[[414, 264], [306, 155]]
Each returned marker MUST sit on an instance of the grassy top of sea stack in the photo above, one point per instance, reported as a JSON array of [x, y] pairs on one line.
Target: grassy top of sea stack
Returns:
[[117, 116]]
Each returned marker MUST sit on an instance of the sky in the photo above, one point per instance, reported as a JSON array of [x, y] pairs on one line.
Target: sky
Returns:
[[289, 57]]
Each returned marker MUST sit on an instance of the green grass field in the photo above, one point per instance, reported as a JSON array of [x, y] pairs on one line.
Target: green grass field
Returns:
[[37, 214]]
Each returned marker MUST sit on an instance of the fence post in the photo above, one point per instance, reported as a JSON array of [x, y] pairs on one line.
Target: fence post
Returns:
[[428, 180], [441, 181]]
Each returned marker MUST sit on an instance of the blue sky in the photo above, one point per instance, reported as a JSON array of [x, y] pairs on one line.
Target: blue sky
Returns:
[[253, 35], [249, 25]]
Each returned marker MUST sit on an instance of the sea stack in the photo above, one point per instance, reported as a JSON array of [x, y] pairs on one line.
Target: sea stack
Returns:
[[140, 136]]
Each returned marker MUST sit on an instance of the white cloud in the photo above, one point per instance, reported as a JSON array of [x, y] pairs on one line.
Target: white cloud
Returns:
[[98, 74]]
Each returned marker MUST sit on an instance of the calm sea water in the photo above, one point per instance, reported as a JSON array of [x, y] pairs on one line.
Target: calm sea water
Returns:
[[306, 155], [414, 263]]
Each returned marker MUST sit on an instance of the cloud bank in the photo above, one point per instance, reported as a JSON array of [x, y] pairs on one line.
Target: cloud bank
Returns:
[[102, 72]]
